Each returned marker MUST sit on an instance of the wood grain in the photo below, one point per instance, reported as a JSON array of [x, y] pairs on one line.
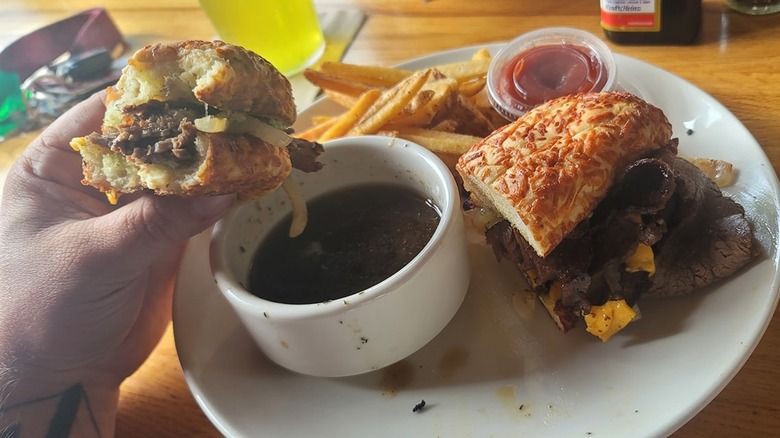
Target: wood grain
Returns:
[[736, 60]]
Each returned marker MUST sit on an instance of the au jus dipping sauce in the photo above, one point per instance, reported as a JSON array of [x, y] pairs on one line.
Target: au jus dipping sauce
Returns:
[[354, 239]]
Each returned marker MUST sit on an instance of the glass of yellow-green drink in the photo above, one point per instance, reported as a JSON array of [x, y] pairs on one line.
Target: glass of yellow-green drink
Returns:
[[285, 32]]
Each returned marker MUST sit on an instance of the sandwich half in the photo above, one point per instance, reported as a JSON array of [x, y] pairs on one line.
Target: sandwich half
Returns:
[[196, 118], [585, 191]]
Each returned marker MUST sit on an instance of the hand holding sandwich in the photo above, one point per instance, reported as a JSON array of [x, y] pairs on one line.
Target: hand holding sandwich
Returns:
[[86, 287]]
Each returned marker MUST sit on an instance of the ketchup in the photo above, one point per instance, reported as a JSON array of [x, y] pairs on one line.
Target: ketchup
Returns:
[[546, 64], [545, 72]]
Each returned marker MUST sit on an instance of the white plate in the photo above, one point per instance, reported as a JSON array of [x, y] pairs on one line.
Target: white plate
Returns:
[[500, 369]]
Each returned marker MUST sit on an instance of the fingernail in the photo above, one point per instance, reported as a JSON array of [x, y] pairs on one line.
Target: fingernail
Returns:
[[212, 206]]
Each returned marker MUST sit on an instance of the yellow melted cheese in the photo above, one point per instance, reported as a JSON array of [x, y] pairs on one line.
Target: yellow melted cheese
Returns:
[[550, 299], [611, 317], [641, 260], [614, 315]]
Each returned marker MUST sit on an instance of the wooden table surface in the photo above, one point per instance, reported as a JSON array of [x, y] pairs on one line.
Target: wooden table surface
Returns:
[[736, 60]]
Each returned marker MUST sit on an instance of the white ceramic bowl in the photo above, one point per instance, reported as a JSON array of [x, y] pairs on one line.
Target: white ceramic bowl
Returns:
[[375, 327]]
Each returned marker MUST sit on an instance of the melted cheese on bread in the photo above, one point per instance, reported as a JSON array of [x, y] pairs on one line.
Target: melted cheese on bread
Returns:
[[548, 170]]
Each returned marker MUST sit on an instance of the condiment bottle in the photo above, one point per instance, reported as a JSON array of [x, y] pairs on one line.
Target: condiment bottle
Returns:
[[651, 21]]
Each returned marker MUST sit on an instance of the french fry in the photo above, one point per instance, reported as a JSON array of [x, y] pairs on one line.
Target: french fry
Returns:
[[392, 101], [481, 102], [386, 77], [472, 86], [318, 120], [440, 142], [335, 83], [387, 133], [380, 77], [345, 100], [350, 118], [465, 70], [443, 108], [314, 133], [481, 99], [438, 92], [448, 125], [482, 53], [470, 120], [418, 101]]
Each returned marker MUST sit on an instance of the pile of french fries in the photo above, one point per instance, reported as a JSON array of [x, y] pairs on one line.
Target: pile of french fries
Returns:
[[443, 108]]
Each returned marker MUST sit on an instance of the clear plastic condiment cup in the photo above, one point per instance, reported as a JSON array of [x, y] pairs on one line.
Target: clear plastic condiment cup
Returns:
[[548, 63]]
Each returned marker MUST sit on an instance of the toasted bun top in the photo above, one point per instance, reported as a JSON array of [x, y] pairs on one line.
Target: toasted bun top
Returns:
[[224, 76], [548, 170]]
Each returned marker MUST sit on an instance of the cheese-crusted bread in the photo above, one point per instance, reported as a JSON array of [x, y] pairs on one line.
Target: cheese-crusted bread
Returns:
[[211, 73], [548, 170], [225, 163], [193, 118]]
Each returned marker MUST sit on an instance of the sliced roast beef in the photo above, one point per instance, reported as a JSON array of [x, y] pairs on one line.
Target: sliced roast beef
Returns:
[[698, 236], [710, 239], [304, 153], [164, 131], [157, 131]]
